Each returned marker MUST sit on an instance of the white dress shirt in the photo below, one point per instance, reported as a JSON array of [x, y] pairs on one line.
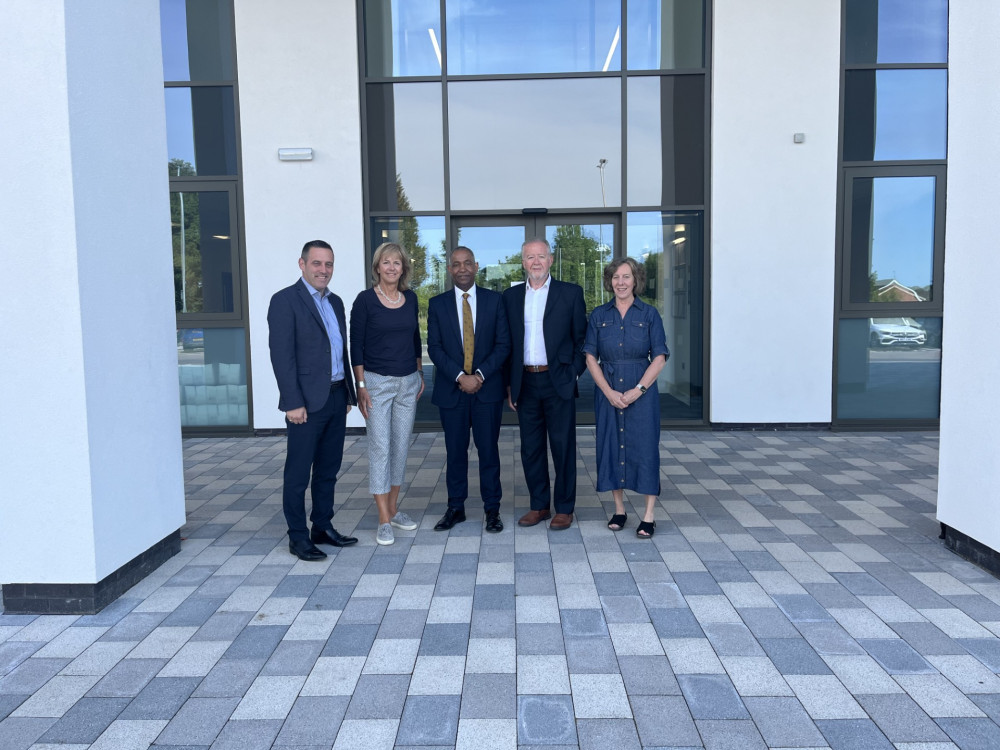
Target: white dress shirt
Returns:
[[461, 311], [534, 311], [461, 320]]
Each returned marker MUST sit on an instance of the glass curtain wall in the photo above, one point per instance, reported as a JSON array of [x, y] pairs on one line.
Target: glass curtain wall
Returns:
[[199, 65], [892, 177], [584, 122]]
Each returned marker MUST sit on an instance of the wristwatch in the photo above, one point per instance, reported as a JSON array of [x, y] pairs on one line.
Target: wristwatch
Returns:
[[361, 384], [641, 387]]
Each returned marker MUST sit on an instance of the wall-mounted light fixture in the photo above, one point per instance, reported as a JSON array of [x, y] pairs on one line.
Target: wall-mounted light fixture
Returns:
[[295, 154]]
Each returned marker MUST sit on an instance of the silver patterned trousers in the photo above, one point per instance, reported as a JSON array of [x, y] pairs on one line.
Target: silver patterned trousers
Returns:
[[390, 427]]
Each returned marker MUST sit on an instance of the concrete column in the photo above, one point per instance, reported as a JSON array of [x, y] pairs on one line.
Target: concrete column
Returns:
[[969, 479], [775, 72], [93, 491], [298, 88]]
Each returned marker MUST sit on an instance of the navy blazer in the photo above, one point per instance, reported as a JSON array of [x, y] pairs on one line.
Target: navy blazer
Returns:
[[300, 349], [447, 351], [564, 327]]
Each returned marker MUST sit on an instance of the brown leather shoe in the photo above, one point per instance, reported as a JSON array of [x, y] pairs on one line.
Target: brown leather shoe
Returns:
[[534, 517], [561, 521]]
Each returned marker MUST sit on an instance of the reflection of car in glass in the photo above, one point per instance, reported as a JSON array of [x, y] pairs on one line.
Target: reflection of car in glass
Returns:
[[896, 332], [191, 338]]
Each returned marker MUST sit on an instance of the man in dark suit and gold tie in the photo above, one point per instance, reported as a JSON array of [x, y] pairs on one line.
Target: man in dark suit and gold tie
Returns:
[[307, 337], [468, 341], [548, 322]]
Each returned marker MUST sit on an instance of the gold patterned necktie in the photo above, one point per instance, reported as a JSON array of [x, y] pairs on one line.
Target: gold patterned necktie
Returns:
[[468, 334]]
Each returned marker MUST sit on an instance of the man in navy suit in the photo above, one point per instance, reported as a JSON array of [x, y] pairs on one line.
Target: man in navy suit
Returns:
[[548, 322], [468, 341], [308, 342]]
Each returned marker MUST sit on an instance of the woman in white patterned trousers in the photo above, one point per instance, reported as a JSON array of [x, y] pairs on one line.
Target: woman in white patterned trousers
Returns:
[[386, 354]]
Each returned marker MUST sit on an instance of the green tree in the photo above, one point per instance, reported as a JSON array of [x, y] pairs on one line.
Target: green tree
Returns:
[[185, 226], [580, 259], [409, 238]]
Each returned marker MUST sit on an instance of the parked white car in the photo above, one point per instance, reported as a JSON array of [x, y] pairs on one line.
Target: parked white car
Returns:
[[896, 332]]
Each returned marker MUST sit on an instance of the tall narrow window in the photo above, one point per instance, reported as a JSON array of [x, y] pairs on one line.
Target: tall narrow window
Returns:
[[200, 92], [892, 177]]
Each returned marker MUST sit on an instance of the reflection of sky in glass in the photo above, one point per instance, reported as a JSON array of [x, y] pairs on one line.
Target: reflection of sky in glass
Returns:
[[911, 31], [430, 234], [902, 241], [412, 50], [911, 114], [534, 143], [419, 143], [645, 158], [180, 124], [430, 229], [492, 244], [665, 34], [532, 36], [173, 36], [645, 234]]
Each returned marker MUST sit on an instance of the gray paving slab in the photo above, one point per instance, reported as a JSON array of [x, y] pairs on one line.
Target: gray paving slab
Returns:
[[253, 734], [313, 720], [711, 696], [730, 735], [489, 696], [160, 699], [794, 656], [783, 722], [545, 720], [378, 697], [429, 720], [198, 722], [20, 734], [599, 734], [972, 734], [853, 734], [900, 719], [85, 721]]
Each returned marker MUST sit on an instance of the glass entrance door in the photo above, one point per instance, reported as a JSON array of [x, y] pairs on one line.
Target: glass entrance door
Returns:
[[581, 245], [669, 247]]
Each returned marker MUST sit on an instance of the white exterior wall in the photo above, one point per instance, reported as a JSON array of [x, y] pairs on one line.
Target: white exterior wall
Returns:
[[775, 72], [92, 461], [298, 77], [969, 475]]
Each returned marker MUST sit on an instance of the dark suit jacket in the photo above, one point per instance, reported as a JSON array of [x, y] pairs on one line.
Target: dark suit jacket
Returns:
[[564, 327], [447, 352], [300, 349]]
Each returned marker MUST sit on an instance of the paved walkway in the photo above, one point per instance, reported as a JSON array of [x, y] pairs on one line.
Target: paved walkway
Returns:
[[795, 596]]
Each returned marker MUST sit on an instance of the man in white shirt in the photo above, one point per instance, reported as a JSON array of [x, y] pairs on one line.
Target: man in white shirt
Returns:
[[548, 323]]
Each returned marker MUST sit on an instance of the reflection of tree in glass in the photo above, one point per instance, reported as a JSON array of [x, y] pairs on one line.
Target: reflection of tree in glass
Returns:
[[428, 273], [651, 264], [185, 228], [580, 259], [409, 237]]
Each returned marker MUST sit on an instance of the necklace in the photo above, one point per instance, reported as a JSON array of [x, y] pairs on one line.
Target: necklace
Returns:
[[399, 296]]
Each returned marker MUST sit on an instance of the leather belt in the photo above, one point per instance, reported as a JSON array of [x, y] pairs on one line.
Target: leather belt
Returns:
[[336, 384], [536, 368]]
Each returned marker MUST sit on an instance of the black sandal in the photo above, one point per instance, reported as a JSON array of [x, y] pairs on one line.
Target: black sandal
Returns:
[[646, 529], [618, 519]]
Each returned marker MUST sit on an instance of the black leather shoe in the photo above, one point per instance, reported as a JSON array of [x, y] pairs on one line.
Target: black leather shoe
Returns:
[[449, 519], [493, 523], [305, 550], [332, 537]]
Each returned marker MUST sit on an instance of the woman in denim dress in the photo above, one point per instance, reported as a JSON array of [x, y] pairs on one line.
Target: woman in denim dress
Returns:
[[626, 349]]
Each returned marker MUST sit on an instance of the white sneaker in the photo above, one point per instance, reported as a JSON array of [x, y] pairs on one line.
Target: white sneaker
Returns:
[[384, 534], [403, 521]]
